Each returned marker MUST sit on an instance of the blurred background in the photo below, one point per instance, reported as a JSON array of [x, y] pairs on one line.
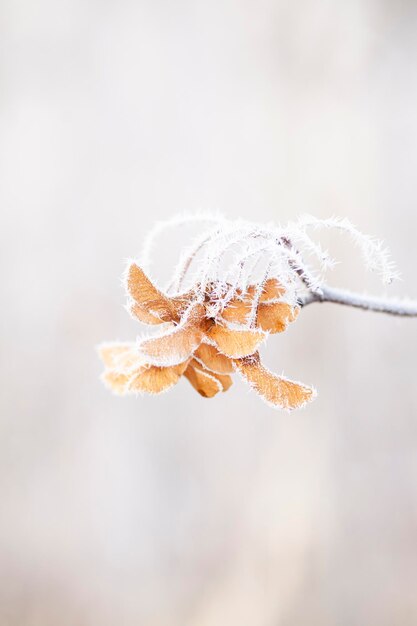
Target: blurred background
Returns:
[[179, 510]]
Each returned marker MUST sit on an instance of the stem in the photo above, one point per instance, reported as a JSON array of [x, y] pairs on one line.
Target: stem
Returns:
[[368, 303]]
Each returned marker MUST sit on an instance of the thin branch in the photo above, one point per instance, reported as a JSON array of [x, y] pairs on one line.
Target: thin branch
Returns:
[[368, 303]]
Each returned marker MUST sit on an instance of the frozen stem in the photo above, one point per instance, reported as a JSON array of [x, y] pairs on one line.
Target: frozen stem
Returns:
[[368, 303]]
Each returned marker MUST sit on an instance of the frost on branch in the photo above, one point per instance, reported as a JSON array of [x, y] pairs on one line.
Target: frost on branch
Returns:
[[237, 283]]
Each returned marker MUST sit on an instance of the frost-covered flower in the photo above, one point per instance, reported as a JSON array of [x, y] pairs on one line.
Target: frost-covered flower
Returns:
[[202, 341], [238, 283]]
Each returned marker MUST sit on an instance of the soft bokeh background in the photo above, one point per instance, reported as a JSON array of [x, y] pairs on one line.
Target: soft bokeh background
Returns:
[[179, 510]]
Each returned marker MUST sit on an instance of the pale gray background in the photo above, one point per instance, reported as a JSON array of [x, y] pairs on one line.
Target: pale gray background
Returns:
[[179, 510]]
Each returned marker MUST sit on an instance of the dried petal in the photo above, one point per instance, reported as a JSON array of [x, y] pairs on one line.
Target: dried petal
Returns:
[[213, 359], [110, 352], [154, 379], [208, 384], [238, 310], [121, 357], [235, 343], [272, 289], [178, 344], [152, 305], [275, 317], [275, 390], [116, 381], [140, 313], [225, 380]]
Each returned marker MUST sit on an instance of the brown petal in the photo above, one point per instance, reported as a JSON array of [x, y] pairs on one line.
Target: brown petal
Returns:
[[275, 317], [116, 381], [110, 352], [272, 289], [275, 390], [213, 359], [144, 316], [225, 380], [238, 311], [121, 357], [206, 383], [178, 344], [152, 305], [154, 379], [235, 343]]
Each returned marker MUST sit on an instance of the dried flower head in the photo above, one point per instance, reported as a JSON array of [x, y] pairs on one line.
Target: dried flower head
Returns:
[[238, 283]]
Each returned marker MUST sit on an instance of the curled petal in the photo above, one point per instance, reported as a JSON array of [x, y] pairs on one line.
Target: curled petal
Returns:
[[208, 384], [235, 343], [150, 305], [121, 357], [111, 352], [116, 381], [177, 345], [271, 290], [275, 390], [275, 317], [153, 379], [213, 360], [142, 315], [238, 311], [225, 381], [203, 382]]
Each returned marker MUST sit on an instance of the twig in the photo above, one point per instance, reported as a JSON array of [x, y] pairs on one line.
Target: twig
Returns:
[[368, 303]]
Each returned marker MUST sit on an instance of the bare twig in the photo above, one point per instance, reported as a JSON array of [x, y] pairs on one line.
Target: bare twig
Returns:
[[368, 303]]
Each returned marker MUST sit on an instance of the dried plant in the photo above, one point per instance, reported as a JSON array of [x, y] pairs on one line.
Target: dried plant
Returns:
[[235, 285]]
